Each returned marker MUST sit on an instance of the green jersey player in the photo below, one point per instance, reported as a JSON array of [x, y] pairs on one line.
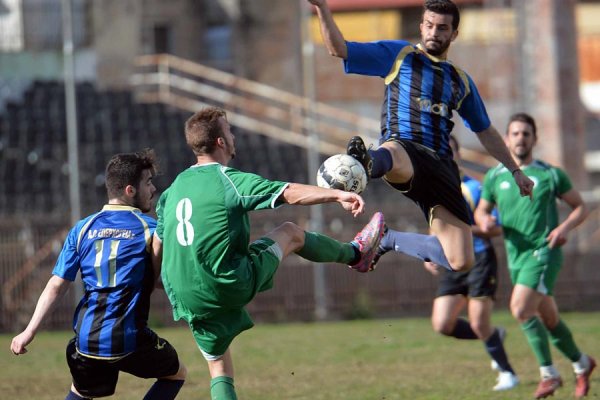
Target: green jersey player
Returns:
[[210, 268], [533, 237]]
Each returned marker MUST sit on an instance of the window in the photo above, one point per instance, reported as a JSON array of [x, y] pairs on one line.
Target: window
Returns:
[[163, 39]]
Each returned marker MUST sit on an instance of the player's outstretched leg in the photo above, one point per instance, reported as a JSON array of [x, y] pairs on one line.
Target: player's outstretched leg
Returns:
[[423, 247], [357, 149], [376, 163], [367, 241], [380, 250]]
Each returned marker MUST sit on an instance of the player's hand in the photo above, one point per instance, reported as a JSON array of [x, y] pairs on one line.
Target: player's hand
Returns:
[[486, 222], [556, 238], [432, 267], [19, 343], [317, 3], [351, 202], [524, 183]]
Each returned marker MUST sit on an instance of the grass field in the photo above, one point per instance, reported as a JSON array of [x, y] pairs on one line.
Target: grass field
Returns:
[[351, 360]]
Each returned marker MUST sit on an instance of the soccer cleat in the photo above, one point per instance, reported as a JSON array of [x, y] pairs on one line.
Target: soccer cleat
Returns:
[[357, 149], [582, 381], [367, 242], [380, 251], [547, 387], [505, 381]]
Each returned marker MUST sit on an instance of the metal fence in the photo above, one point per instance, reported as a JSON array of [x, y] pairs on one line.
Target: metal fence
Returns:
[[399, 287]]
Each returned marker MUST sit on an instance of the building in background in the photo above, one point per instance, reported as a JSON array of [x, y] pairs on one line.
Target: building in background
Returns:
[[532, 55]]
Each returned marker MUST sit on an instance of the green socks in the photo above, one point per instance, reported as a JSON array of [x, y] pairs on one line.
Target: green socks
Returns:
[[562, 339], [321, 248], [221, 388], [537, 336]]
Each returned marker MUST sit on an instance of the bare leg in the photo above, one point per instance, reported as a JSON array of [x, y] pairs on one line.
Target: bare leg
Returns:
[[524, 303], [289, 237], [455, 237], [402, 170], [446, 310], [480, 314], [221, 367]]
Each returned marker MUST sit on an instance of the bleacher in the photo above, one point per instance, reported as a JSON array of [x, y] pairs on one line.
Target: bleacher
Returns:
[[34, 198], [33, 146], [34, 205]]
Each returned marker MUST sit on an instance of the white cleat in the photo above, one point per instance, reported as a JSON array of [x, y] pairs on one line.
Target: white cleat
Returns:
[[505, 381]]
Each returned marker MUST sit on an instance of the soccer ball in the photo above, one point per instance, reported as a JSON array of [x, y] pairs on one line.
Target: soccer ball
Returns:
[[343, 172]]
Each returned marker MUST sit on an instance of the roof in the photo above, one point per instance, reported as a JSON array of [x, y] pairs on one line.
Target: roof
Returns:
[[352, 5]]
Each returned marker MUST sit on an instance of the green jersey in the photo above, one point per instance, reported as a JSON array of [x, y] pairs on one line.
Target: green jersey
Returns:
[[204, 226], [526, 222]]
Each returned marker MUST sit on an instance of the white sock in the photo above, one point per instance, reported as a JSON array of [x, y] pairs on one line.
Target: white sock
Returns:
[[548, 372], [581, 365]]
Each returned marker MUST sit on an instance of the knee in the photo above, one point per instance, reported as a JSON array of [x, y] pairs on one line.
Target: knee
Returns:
[[520, 313], [295, 233], [443, 326], [481, 329], [462, 264], [550, 322], [181, 373]]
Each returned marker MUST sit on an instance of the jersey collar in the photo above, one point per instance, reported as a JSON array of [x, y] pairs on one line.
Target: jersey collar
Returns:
[[118, 207], [204, 165]]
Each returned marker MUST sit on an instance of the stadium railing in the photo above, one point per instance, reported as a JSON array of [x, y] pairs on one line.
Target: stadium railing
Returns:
[[260, 108]]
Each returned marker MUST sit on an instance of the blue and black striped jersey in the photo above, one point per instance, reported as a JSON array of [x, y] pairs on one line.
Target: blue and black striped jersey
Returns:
[[420, 94], [112, 250]]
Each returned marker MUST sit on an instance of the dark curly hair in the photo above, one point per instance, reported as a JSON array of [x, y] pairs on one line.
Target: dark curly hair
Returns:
[[126, 169]]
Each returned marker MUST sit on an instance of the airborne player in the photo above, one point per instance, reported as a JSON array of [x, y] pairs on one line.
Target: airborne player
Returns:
[[422, 89]]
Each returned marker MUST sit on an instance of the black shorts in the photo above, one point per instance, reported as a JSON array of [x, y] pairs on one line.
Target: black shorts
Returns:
[[480, 281], [154, 358], [436, 182]]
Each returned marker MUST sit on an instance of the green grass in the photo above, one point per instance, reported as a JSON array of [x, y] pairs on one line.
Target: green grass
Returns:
[[351, 360]]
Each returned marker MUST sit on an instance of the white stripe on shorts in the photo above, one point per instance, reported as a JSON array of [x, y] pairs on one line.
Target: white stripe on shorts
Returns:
[[209, 357]]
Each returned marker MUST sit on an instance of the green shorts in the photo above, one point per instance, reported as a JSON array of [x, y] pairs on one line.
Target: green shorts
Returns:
[[537, 269], [214, 334]]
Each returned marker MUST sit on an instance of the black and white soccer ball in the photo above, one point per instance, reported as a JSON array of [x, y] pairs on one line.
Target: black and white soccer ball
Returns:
[[343, 172]]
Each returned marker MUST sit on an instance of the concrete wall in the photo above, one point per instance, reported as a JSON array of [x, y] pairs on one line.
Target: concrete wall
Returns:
[[267, 43], [117, 30]]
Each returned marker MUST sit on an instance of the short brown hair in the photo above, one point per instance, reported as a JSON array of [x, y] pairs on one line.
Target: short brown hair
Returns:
[[126, 169], [203, 129], [523, 117]]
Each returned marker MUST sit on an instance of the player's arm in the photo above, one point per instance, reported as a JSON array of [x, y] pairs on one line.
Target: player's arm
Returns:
[[332, 36], [54, 291], [493, 143], [300, 194], [579, 212], [156, 257], [484, 217], [494, 231]]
